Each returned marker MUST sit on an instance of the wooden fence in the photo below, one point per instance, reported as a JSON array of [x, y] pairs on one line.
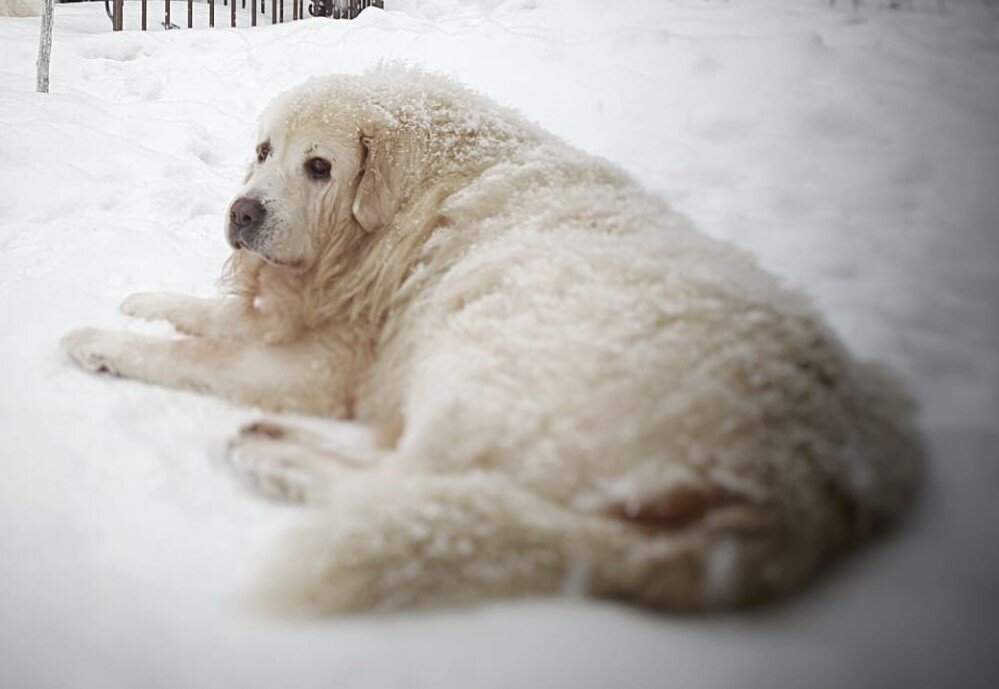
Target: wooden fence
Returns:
[[335, 9]]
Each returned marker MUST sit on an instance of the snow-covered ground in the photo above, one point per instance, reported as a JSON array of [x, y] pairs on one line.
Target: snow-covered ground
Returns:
[[856, 152]]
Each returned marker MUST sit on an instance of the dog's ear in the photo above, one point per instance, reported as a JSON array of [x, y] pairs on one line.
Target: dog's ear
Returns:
[[375, 203]]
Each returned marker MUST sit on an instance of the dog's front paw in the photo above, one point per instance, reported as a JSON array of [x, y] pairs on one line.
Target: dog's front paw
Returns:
[[90, 348], [147, 305]]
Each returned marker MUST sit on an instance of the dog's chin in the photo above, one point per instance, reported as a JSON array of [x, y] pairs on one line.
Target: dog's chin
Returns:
[[296, 265]]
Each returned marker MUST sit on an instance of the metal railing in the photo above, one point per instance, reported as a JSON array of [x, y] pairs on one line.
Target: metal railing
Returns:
[[335, 9]]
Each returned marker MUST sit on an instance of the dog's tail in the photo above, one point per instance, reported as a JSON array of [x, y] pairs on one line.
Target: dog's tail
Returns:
[[400, 542]]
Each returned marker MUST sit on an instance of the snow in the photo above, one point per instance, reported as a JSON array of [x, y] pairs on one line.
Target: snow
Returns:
[[855, 152]]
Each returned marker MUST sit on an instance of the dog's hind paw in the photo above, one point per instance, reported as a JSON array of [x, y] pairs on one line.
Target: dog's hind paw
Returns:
[[267, 429], [271, 467]]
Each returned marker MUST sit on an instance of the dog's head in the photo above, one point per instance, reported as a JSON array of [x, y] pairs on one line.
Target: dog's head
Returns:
[[325, 163]]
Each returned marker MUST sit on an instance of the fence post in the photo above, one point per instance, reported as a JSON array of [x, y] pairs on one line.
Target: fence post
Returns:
[[190, 14], [44, 48], [166, 16]]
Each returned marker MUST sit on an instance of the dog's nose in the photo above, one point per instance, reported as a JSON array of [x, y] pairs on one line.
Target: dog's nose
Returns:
[[246, 212], [246, 215]]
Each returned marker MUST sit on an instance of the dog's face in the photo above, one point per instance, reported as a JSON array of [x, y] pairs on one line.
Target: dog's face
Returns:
[[302, 177], [331, 165]]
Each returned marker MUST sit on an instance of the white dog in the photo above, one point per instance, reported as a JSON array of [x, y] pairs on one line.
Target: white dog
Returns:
[[571, 387]]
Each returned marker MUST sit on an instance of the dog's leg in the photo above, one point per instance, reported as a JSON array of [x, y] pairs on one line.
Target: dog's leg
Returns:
[[279, 378], [358, 452], [229, 318], [393, 539], [391, 535], [290, 464]]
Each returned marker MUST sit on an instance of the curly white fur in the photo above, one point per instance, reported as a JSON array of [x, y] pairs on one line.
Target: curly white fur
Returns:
[[573, 388]]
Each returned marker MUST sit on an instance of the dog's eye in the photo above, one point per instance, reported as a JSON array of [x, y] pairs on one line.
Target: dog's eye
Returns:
[[263, 151], [318, 168]]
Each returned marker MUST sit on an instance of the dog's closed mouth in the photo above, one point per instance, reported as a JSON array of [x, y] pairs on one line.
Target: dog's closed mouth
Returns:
[[279, 263], [238, 244]]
